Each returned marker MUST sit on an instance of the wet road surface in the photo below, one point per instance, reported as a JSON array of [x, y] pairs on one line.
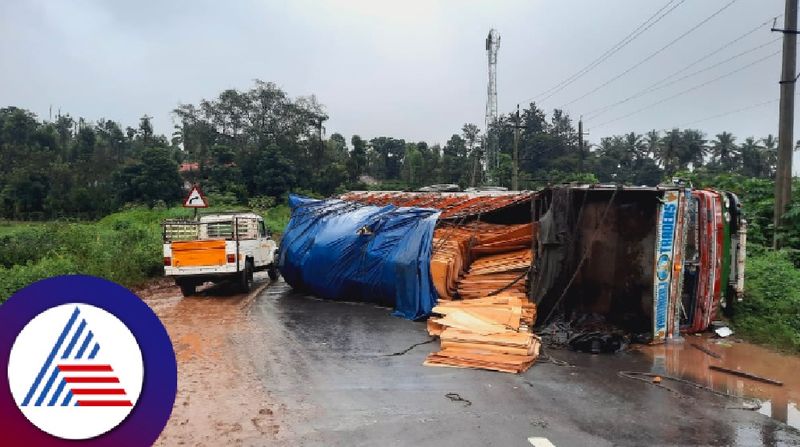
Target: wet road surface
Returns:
[[277, 367]]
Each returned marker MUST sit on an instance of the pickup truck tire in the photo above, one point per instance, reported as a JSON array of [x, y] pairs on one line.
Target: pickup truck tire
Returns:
[[246, 277], [273, 273], [187, 288]]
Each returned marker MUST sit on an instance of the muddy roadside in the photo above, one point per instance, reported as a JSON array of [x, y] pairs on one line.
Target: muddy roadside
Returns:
[[219, 399]]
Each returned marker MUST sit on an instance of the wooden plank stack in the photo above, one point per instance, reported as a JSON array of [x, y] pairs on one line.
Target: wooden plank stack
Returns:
[[489, 326], [487, 333]]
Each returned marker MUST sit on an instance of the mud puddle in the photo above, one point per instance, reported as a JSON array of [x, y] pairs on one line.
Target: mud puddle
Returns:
[[683, 360], [206, 331]]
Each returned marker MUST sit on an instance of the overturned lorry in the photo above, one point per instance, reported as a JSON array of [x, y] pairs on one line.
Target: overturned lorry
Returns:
[[654, 261]]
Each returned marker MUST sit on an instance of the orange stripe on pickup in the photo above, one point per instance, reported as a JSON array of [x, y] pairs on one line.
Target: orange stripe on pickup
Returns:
[[198, 253]]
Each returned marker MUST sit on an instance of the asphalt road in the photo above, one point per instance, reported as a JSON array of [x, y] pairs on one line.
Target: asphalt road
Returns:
[[337, 374]]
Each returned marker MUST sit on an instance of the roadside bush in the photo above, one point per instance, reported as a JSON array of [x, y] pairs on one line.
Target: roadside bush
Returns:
[[261, 203], [19, 276], [770, 312], [276, 219], [26, 245]]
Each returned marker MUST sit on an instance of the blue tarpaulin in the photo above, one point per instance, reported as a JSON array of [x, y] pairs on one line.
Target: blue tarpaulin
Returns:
[[348, 251]]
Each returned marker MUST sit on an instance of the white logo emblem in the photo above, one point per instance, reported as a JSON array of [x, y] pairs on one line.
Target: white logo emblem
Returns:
[[75, 371]]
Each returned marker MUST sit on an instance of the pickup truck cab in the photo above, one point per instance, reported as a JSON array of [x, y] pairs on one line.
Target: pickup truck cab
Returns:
[[218, 247]]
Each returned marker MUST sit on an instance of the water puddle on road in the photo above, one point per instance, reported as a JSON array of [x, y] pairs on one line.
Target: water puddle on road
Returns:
[[684, 360]]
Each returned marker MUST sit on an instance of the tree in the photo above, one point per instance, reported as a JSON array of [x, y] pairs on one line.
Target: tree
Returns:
[[357, 163], [413, 165], [725, 152], [454, 161], [753, 158], [669, 152], [693, 150], [153, 178], [470, 134], [390, 152], [652, 144], [770, 145]]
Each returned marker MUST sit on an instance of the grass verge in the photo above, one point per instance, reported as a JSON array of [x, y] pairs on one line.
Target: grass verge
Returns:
[[770, 312]]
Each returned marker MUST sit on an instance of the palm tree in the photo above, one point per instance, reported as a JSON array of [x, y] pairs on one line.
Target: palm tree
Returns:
[[652, 143], [725, 151], [752, 158], [693, 150], [668, 150], [635, 146], [770, 155]]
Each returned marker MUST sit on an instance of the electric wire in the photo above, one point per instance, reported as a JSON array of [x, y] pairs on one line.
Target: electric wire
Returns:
[[644, 26], [689, 90], [731, 112], [662, 84], [654, 54]]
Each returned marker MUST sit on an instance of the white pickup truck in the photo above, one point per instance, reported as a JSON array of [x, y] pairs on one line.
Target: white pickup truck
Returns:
[[217, 247]]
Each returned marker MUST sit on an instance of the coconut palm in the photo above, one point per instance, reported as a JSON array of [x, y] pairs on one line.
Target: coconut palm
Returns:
[[752, 155], [669, 150], [693, 150], [725, 151], [770, 155], [652, 143]]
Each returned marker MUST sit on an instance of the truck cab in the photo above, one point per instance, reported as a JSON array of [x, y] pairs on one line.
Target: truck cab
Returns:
[[218, 247]]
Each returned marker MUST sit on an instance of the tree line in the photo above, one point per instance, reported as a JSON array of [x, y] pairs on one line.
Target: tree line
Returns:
[[259, 144]]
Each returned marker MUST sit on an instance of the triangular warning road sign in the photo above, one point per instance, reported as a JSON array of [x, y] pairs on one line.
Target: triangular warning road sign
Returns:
[[195, 199]]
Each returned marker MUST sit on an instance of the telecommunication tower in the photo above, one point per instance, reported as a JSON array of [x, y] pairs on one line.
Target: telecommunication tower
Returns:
[[491, 159]]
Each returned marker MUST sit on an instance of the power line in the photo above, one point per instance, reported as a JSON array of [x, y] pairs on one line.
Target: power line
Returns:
[[654, 54], [691, 89], [731, 112], [703, 58], [644, 26], [660, 84]]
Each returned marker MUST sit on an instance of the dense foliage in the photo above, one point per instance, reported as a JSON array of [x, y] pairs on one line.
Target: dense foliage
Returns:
[[260, 144], [250, 148]]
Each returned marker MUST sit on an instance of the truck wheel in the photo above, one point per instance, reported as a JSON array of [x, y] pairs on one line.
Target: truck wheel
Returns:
[[187, 288], [273, 273], [246, 277]]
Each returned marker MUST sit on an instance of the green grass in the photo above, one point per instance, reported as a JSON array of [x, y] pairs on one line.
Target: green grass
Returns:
[[124, 247], [8, 227], [770, 312]]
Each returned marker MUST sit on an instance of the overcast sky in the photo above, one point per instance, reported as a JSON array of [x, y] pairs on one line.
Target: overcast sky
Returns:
[[413, 69]]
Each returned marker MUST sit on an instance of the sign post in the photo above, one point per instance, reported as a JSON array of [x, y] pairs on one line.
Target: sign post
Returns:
[[196, 199]]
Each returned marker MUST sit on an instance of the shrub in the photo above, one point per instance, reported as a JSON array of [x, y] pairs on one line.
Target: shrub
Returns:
[[770, 312], [19, 276]]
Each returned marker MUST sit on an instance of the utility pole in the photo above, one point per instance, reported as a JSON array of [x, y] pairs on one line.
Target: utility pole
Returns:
[[515, 161], [783, 175], [491, 159], [515, 153], [580, 144]]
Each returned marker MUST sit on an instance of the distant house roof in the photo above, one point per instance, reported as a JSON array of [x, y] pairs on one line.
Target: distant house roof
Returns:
[[188, 167]]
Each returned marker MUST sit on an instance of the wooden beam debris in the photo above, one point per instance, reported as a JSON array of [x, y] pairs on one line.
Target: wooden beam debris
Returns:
[[746, 375], [483, 317]]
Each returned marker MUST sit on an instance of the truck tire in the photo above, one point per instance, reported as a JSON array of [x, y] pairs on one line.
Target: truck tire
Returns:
[[273, 273], [187, 288], [246, 277]]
